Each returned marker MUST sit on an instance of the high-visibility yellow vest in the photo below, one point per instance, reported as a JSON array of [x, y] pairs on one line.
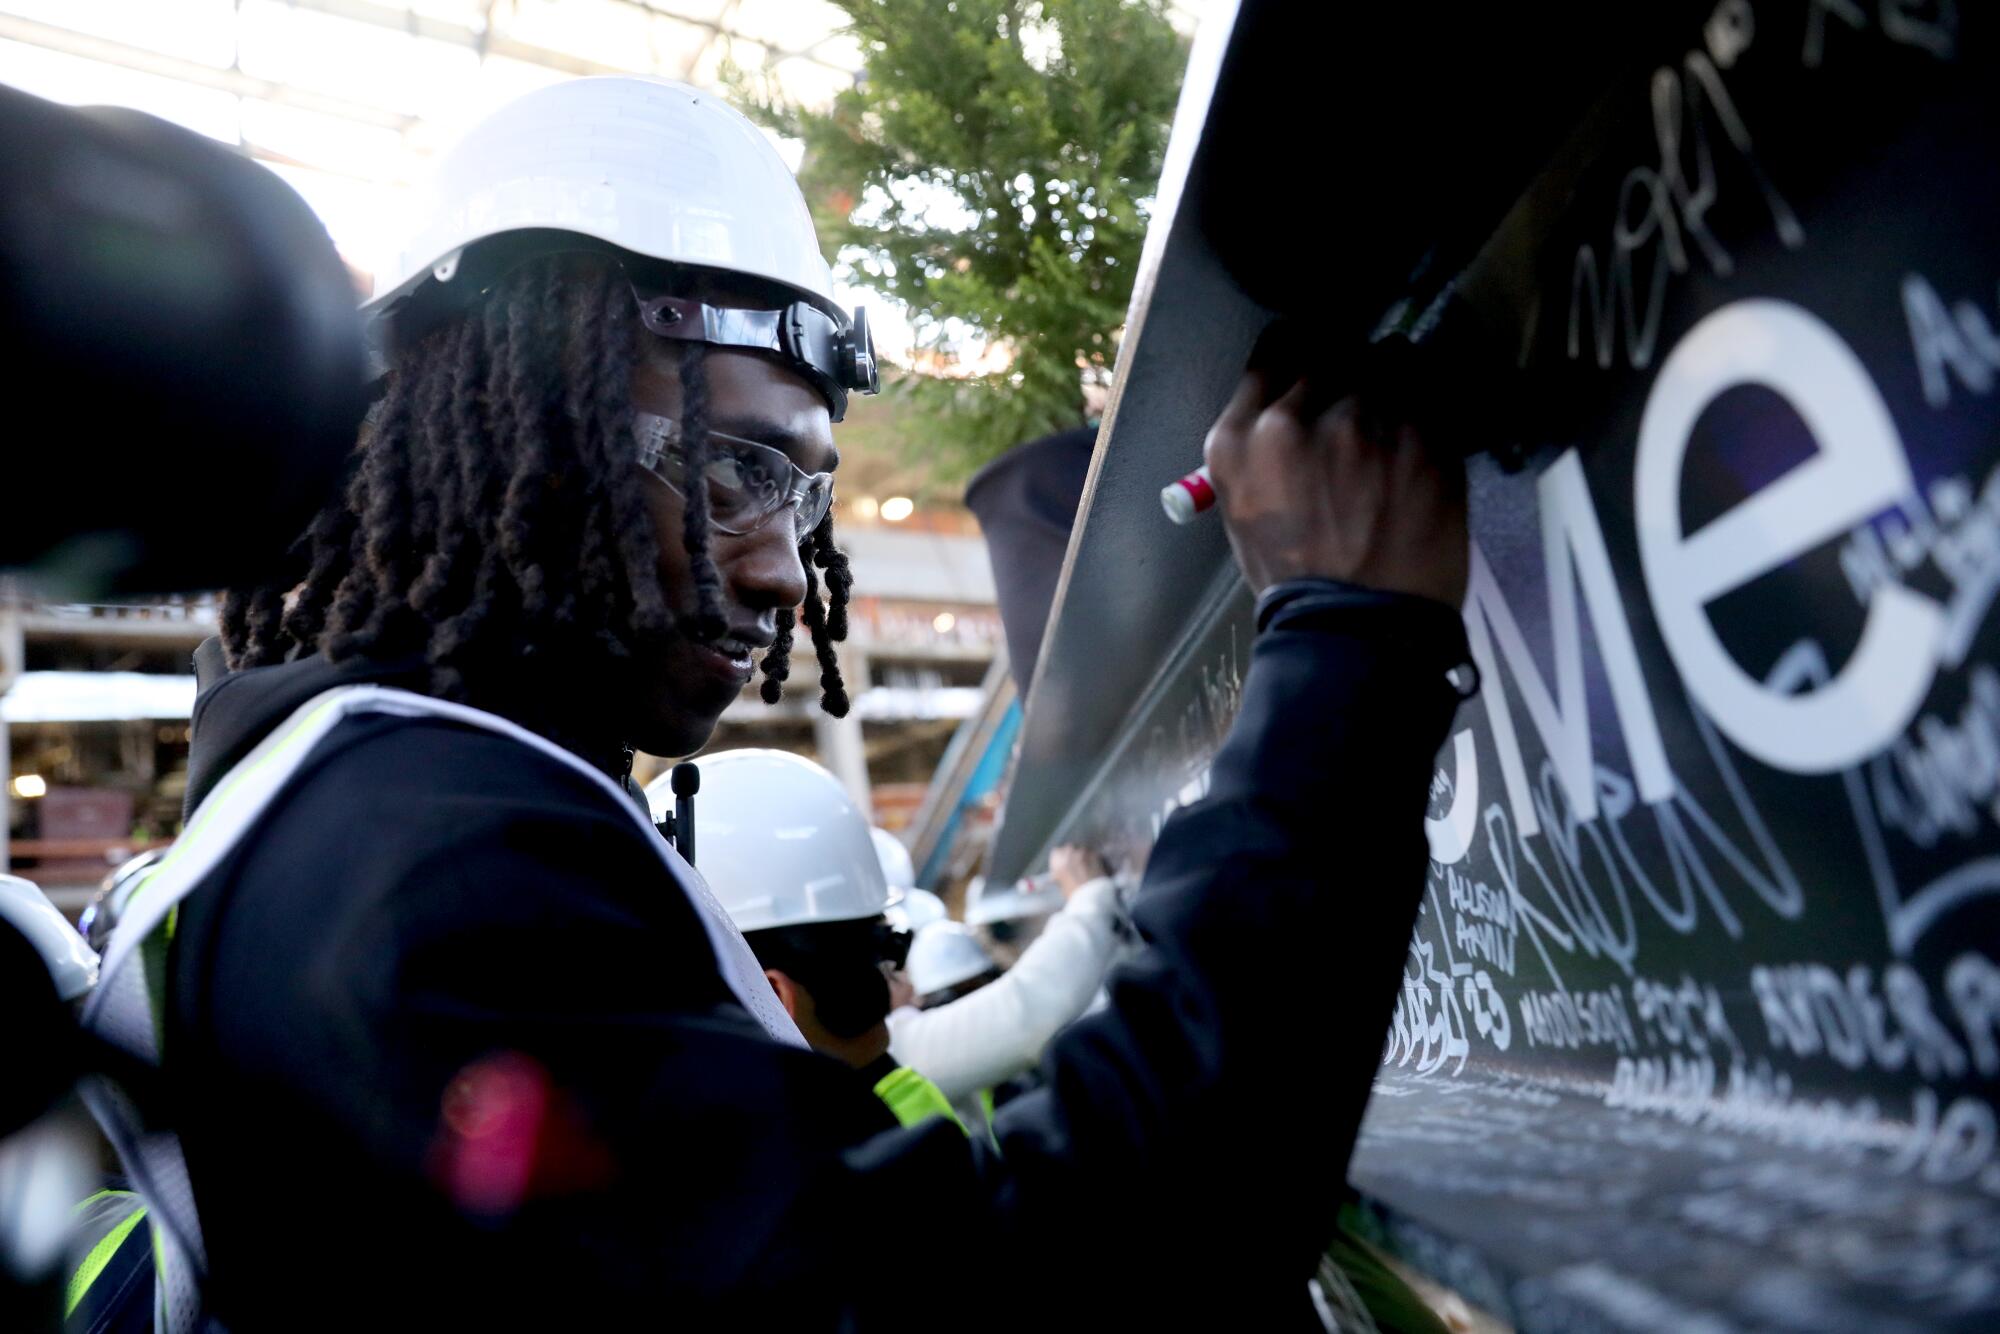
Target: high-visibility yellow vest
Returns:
[[1353, 1275], [114, 1279], [914, 1099]]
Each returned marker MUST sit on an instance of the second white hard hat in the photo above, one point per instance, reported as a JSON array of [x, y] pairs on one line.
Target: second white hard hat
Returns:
[[945, 954], [917, 909], [897, 867], [780, 841]]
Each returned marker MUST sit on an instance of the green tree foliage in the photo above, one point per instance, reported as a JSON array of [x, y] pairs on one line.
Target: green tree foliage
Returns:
[[992, 170]]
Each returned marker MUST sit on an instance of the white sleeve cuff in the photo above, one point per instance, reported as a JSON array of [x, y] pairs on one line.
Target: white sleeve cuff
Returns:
[[1099, 896]]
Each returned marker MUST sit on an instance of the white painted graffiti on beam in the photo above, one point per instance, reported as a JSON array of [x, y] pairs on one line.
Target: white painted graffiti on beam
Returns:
[[1931, 28], [1956, 343], [1688, 1014], [1945, 1144], [1570, 903], [1671, 207], [1427, 1028], [1943, 779], [1729, 31], [1752, 1099], [1811, 1010], [1574, 1020], [1859, 469], [1574, 555], [1482, 918], [1489, 1009], [1973, 983], [1908, 913], [1957, 534], [1180, 756], [1943, 1254], [1439, 1010], [1842, 718]]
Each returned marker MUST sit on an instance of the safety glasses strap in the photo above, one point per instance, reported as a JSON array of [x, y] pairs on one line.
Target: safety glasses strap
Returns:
[[838, 355]]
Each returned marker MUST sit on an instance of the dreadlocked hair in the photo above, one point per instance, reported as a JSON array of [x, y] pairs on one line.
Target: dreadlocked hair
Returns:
[[491, 511], [825, 621], [778, 659]]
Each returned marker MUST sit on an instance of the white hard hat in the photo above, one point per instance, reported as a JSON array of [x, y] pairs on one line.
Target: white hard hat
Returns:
[[655, 168], [917, 910], [945, 954], [897, 868], [780, 841], [72, 963]]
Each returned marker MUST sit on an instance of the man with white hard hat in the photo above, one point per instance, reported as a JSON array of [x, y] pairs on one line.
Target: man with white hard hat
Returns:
[[799, 870], [420, 953], [592, 499], [946, 962], [970, 1038], [794, 864], [917, 909]]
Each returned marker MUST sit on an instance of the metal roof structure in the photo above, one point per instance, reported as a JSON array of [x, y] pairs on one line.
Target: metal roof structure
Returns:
[[348, 99]]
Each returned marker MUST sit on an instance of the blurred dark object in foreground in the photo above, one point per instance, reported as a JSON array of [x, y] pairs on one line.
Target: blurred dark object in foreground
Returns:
[[184, 349], [187, 372], [43, 1043], [1026, 501]]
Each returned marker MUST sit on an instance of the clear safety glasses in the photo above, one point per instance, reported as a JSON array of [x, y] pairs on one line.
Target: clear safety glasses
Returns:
[[748, 483]]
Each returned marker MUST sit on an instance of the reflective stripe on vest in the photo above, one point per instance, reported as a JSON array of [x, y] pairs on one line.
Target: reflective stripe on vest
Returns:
[[128, 1007], [1351, 1273], [914, 1099], [112, 1216], [985, 1109]]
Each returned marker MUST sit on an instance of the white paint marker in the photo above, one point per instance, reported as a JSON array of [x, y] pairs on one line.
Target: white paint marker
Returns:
[[1190, 497]]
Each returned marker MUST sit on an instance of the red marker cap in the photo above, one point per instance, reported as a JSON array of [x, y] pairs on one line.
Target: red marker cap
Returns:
[[1188, 498]]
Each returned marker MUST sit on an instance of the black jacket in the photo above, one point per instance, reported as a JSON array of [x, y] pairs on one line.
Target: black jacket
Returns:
[[631, 1151]]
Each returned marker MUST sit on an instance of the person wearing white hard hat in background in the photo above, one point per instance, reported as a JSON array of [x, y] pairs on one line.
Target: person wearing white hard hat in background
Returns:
[[947, 962], [979, 1027], [421, 955], [798, 870], [917, 909], [809, 883]]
